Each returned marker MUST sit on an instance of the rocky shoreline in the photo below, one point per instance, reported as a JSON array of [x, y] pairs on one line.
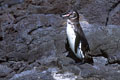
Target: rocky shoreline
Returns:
[[32, 40]]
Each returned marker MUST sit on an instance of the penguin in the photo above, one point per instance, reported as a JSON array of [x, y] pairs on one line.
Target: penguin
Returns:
[[76, 40]]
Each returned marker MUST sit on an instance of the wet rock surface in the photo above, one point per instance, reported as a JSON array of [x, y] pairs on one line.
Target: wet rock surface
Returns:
[[32, 40]]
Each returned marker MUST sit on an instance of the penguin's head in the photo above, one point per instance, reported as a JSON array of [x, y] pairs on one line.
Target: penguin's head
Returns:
[[72, 15]]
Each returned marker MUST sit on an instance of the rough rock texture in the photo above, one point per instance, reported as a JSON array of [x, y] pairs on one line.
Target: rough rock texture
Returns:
[[29, 39], [114, 16], [103, 40], [49, 6], [99, 11], [4, 71], [32, 40]]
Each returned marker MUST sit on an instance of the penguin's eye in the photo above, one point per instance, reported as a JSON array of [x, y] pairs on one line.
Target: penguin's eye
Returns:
[[73, 15]]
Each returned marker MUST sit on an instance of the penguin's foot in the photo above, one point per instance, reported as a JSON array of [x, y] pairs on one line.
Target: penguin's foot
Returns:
[[89, 61], [80, 62], [85, 61]]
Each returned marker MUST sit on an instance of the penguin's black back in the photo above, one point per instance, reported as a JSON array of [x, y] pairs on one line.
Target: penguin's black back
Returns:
[[80, 38]]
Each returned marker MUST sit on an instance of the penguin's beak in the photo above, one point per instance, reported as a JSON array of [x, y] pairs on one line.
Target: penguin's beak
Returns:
[[66, 15]]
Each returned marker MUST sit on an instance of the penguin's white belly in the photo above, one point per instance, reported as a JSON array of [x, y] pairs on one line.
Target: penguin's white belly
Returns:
[[71, 39]]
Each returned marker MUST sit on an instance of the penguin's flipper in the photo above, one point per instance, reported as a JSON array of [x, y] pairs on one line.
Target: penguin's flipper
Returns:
[[77, 41], [67, 47]]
